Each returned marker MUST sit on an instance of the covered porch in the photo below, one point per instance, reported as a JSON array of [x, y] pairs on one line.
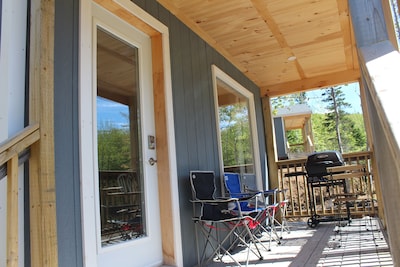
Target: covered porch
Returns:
[[367, 53]]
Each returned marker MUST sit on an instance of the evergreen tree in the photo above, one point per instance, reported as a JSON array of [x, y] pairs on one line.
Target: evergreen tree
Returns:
[[335, 119]]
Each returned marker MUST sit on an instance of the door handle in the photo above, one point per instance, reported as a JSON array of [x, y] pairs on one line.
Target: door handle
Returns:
[[152, 161]]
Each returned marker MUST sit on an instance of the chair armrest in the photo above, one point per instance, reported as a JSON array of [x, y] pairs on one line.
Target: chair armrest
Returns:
[[246, 196], [214, 201]]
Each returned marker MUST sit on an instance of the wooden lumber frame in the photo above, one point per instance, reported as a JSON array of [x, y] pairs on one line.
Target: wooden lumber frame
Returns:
[[380, 61], [43, 224]]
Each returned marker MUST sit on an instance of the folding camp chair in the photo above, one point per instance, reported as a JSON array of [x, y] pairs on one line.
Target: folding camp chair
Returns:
[[266, 217], [218, 222], [282, 204]]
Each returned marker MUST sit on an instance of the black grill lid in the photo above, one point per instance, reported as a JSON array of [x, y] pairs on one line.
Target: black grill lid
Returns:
[[318, 162]]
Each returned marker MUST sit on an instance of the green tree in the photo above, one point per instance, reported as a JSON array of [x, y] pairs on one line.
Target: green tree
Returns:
[[235, 135], [288, 100], [113, 148], [335, 117], [349, 132], [330, 127]]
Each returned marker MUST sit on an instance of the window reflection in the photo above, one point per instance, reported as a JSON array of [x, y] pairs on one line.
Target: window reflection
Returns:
[[235, 130], [120, 172]]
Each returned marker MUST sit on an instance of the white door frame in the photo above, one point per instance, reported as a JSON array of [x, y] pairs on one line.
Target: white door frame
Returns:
[[86, 122]]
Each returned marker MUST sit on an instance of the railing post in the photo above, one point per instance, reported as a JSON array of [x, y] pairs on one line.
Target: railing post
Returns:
[[270, 143], [12, 212]]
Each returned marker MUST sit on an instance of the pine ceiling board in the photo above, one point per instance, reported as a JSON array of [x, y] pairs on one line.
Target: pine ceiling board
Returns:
[[323, 63], [255, 45], [302, 23], [276, 73], [207, 10], [259, 36]]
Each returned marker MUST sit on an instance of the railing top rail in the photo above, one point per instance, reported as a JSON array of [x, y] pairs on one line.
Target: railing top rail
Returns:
[[19, 142], [346, 156]]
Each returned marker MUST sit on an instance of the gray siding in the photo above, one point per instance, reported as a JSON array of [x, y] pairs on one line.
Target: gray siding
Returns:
[[66, 134], [194, 115]]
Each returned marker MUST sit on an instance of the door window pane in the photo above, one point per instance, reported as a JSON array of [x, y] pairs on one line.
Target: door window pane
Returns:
[[118, 141]]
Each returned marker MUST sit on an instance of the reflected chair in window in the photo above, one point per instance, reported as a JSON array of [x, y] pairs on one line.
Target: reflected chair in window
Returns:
[[120, 202], [222, 227]]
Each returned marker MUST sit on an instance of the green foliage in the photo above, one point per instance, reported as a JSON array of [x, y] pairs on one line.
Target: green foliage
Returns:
[[113, 148], [295, 137], [353, 134], [235, 135], [288, 100], [348, 137], [333, 130]]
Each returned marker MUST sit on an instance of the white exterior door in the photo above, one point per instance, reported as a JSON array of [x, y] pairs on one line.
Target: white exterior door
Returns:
[[126, 217]]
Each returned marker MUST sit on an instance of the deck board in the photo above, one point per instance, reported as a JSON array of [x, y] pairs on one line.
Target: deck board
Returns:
[[360, 243]]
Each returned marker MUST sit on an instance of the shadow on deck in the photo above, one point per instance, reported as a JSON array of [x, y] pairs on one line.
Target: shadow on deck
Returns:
[[360, 243]]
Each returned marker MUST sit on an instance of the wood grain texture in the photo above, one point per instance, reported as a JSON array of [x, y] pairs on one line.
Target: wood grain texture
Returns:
[[276, 43], [44, 250], [12, 212]]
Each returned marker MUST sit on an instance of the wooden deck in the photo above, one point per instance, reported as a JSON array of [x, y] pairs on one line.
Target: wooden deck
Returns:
[[361, 243]]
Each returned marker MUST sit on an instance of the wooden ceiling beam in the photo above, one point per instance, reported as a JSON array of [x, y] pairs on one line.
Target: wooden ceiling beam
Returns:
[[345, 25], [322, 81], [262, 9]]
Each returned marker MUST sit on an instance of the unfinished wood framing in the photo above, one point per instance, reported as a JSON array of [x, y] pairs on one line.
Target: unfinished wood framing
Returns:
[[12, 212], [332, 79], [270, 143], [43, 224], [380, 62], [164, 179]]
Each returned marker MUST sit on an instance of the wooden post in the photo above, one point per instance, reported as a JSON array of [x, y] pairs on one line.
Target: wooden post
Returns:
[[43, 225], [163, 169], [380, 62], [270, 143], [12, 212]]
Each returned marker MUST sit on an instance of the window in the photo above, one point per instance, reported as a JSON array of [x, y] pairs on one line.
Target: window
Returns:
[[237, 134]]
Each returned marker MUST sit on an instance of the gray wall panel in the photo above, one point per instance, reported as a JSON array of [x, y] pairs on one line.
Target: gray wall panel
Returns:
[[66, 134]]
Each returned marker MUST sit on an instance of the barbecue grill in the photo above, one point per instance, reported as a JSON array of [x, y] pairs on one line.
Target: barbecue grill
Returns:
[[317, 177]]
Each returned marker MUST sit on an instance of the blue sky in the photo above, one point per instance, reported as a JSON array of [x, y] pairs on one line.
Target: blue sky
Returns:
[[352, 92], [111, 112]]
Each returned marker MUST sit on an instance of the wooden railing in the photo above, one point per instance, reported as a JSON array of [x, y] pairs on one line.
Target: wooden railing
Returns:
[[297, 190], [13, 152]]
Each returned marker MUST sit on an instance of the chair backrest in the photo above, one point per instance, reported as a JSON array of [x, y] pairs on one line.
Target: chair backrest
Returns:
[[232, 183], [203, 184], [125, 181], [203, 188], [249, 181]]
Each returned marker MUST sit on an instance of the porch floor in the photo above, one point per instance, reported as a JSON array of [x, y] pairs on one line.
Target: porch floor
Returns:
[[360, 243]]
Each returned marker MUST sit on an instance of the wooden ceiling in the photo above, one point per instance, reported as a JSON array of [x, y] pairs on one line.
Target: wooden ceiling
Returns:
[[283, 46]]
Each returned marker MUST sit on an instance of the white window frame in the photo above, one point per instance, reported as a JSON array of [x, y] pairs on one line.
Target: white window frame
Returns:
[[219, 74]]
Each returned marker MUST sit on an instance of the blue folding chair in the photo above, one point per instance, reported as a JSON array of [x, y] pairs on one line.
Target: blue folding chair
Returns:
[[248, 201], [254, 200]]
